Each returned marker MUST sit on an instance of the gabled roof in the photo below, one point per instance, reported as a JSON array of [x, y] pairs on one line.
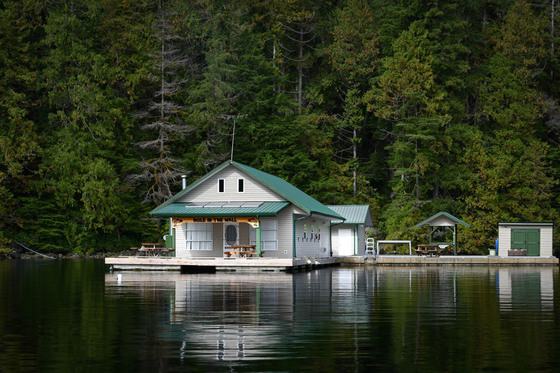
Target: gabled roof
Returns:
[[292, 194], [439, 217], [354, 214]]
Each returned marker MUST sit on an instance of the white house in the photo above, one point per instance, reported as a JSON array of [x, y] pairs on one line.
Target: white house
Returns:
[[235, 204]]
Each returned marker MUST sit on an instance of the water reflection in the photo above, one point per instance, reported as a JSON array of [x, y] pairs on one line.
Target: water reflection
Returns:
[[430, 317], [526, 286]]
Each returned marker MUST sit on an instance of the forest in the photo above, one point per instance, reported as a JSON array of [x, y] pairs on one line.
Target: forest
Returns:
[[412, 107]]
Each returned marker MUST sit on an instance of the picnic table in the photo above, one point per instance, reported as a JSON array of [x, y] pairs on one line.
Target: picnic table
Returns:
[[428, 249], [153, 249], [242, 251]]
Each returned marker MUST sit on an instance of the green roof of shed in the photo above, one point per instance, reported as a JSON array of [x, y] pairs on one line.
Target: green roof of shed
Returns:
[[354, 214], [292, 194]]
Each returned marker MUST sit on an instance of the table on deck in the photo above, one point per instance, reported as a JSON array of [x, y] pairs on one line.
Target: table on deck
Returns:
[[428, 249], [153, 249], [242, 251], [396, 242]]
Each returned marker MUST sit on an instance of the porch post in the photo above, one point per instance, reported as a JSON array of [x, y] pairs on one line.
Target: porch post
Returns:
[[455, 239], [258, 238]]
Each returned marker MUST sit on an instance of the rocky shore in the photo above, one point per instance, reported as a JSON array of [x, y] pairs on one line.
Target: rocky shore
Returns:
[[23, 254]]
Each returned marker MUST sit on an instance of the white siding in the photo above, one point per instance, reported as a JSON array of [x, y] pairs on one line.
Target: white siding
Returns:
[[308, 244], [442, 221], [358, 231], [504, 240], [208, 190], [546, 241], [285, 234]]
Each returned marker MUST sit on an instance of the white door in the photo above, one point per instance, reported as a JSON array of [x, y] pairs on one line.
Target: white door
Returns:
[[345, 242], [231, 235]]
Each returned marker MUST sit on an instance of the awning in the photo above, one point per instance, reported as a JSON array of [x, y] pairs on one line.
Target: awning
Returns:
[[221, 209]]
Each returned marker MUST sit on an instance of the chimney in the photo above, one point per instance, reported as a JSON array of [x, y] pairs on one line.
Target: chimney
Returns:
[[184, 177]]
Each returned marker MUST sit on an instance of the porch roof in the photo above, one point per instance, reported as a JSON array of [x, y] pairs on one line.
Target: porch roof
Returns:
[[219, 209]]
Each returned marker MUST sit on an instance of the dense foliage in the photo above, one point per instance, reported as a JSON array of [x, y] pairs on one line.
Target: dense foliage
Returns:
[[412, 107]]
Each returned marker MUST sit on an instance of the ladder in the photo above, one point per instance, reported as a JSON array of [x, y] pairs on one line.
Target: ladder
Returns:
[[370, 247]]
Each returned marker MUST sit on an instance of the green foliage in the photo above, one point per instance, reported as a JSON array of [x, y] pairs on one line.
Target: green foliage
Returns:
[[410, 107]]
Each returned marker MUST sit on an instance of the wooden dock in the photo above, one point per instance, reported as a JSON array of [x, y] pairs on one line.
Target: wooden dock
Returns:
[[276, 264], [451, 260], [223, 264]]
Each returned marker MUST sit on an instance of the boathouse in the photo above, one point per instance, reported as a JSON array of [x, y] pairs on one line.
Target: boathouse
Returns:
[[525, 239], [235, 205], [349, 235]]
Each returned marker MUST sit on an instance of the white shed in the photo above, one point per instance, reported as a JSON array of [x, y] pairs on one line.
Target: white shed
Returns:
[[535, 238], [349, 236]]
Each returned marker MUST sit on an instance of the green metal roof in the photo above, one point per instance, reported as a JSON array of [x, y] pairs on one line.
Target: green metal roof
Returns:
[[292, 194], [221, 209], [438, 215], [354, 214]]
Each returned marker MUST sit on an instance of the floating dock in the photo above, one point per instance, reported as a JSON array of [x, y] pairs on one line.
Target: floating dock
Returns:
[[220, 264], [276, 264], [452, 260]]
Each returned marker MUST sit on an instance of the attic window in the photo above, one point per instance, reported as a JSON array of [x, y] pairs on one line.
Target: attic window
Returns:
[[221, 185], [240, 185]]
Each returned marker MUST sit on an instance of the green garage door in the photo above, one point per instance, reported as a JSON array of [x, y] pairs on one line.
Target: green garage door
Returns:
[[528, 239]]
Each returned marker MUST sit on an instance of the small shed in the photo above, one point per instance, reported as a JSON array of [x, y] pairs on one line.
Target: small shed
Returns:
[[443, 229], [349, 236], [531, 239]]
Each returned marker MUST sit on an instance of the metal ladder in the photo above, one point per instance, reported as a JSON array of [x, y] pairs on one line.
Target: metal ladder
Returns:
[[370, 247]]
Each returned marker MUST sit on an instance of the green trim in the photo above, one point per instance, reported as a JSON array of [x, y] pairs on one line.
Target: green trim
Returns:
[[258, 239]]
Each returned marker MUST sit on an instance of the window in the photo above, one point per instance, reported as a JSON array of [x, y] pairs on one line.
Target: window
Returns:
[[199, 236], [221, 185], [269, 235], [240, 185]]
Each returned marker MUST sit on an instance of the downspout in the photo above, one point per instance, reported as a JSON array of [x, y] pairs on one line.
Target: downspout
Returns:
[[294, 232]]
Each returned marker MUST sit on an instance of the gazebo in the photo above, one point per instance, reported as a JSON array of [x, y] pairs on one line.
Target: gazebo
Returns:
[[440, 226]]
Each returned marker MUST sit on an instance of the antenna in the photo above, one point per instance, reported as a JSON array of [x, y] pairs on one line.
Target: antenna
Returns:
[[234, 117], [232, 141]]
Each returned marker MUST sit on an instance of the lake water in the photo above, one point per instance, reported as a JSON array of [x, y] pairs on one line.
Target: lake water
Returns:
[[74, 315]]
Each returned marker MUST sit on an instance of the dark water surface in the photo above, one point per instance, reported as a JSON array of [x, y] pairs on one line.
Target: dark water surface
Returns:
[[75, 316]]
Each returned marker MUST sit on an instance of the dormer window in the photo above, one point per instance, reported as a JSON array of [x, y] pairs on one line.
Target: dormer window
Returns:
[[240, 185], [221, 185]]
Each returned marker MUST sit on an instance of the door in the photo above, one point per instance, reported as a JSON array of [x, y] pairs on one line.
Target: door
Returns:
[[231, 235], [528, 239], [345, 242]]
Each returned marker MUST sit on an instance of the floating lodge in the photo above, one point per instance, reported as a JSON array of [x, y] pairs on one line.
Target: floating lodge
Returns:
[[238, 218]]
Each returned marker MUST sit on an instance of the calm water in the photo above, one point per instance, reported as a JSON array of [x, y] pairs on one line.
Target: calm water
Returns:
[[73, 315]]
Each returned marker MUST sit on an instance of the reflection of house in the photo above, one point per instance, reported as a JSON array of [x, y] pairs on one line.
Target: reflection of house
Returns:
[[348, 236], [238, 205], [535, 238]]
